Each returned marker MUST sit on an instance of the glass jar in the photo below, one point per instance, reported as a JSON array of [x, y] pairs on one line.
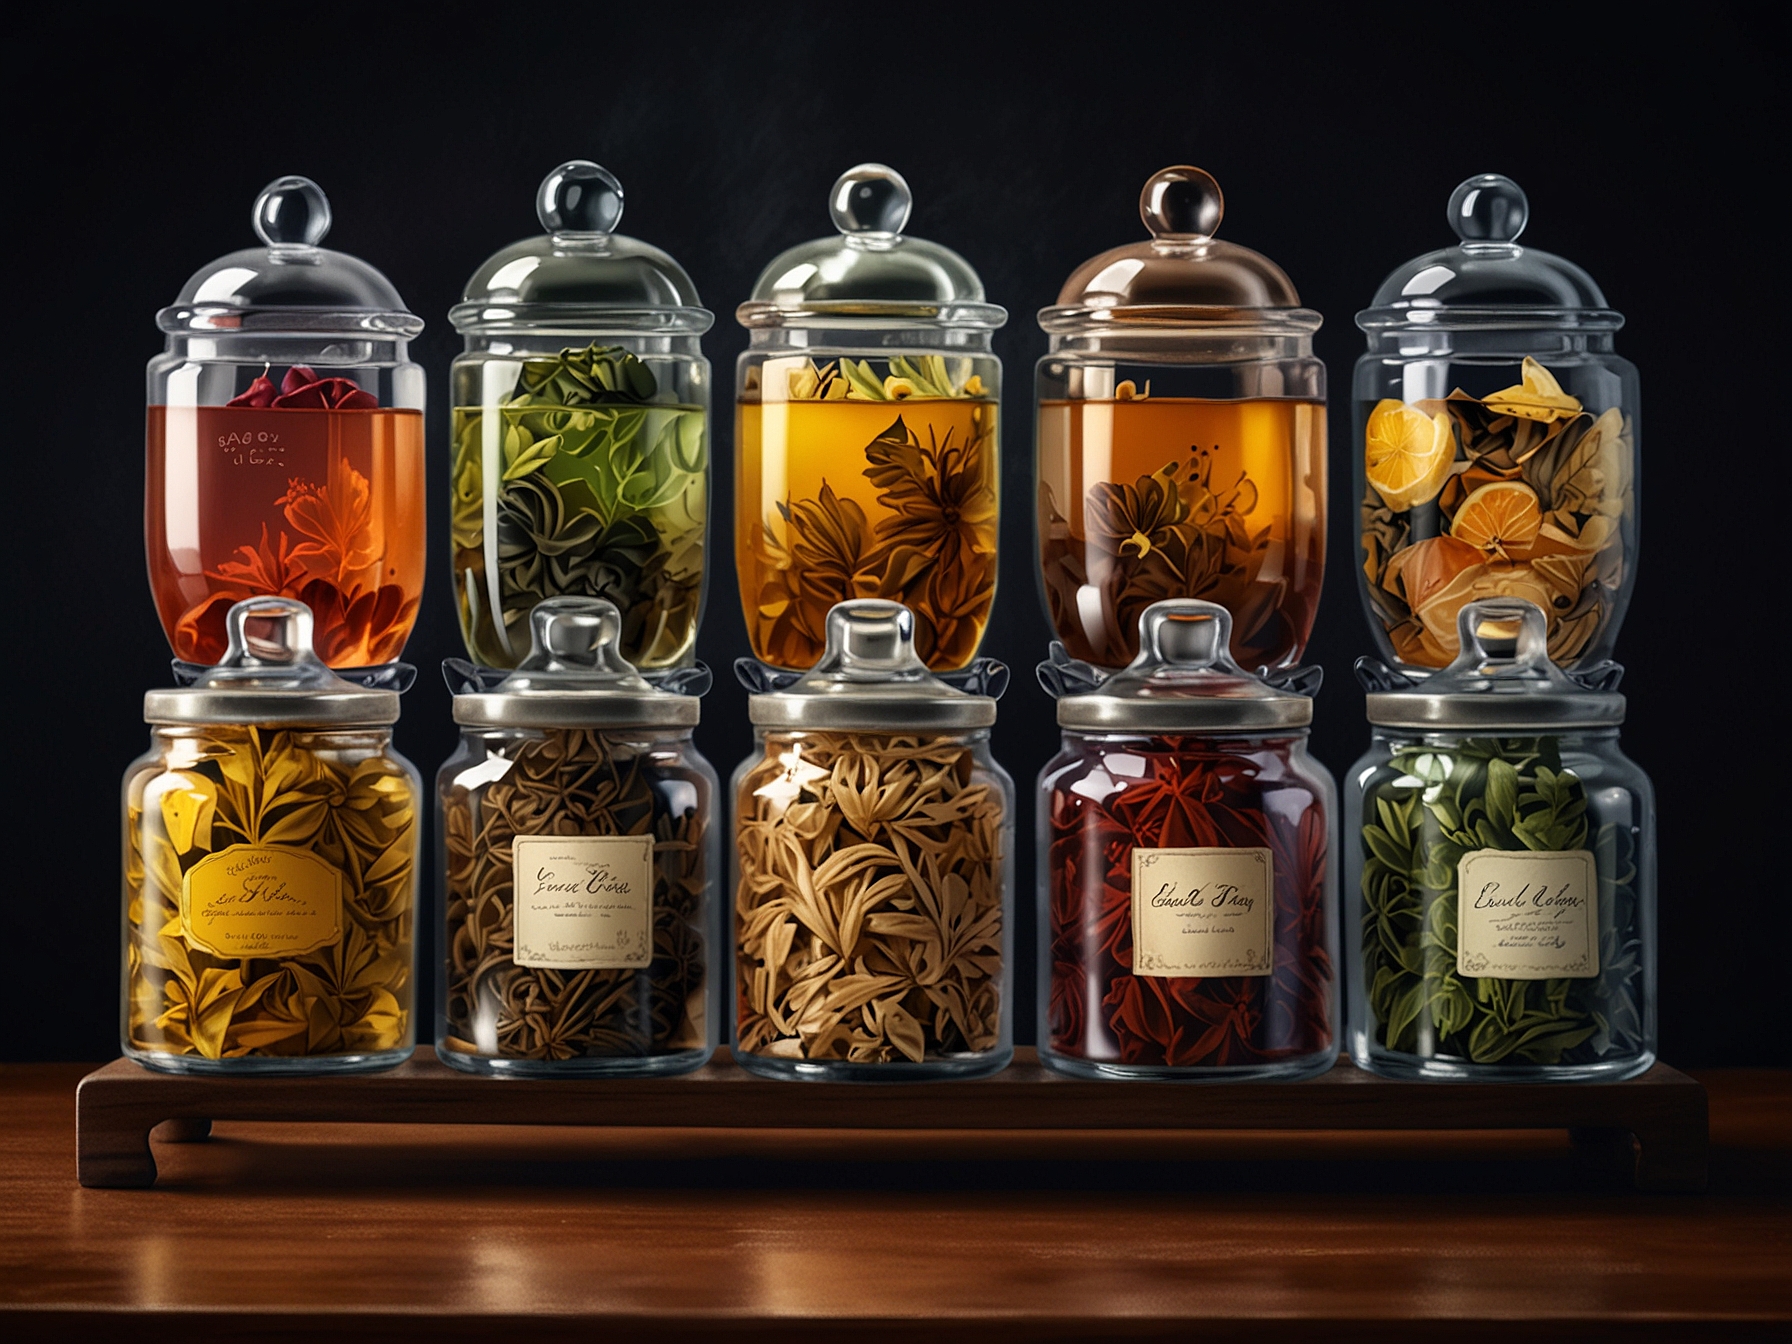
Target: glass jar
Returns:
[[578, 856], [1501, 878], [285, 443], [867, 458], [1181, 436], [1187, 866], [270, 878], [581, 432], [874, 892], [1498, 442]]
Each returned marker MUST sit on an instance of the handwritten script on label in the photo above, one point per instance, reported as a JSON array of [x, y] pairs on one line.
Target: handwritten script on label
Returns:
[[583, 901], [1527, 916], [261, 901], [1208, 911]]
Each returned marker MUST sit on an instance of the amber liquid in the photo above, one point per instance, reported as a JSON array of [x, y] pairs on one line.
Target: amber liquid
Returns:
[[1175, 497], [811, 527], [324, 506]]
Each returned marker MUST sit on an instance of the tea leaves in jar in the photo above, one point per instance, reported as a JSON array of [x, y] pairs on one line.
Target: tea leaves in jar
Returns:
[[575, 783], [270, 884], [1107, 804], [1522, 493], [305, 491], [855, 485], [869, 903], [601, 492], [1145, 498], [1427, 811]]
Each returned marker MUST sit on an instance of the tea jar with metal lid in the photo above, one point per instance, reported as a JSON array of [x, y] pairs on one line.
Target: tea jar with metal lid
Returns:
[[873, 882], [270, 878], [581, 432], [579, 856], [866, 448], [1181, 438], [285, 443], [1500, 852], [1187, 866], [1497, 438]]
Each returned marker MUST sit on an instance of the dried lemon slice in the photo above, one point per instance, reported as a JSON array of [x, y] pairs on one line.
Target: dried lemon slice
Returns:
[[1502, 519], [1538, 397], [1408, 454]]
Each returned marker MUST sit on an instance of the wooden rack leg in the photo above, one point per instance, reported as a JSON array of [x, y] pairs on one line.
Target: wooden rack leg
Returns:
[[112, 1148], [184, 1129]]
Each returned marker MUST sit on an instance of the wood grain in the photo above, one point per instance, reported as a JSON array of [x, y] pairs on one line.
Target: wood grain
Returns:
[[1652, 1127], [290, 1231]]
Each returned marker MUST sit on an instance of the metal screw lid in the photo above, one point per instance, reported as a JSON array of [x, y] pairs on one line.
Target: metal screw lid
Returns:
[[1183, 681], [871, 680], [575, 677], [1503, 680], [271, 676]]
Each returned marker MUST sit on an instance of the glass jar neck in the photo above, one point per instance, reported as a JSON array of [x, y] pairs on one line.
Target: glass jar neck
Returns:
[[1182, 345], [551, 340], [833, 334], [260, 347], [1513, 341], [1457, 741]]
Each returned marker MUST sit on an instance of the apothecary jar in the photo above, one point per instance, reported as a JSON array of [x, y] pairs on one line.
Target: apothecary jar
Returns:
[[1181, 438], [579, 854], [1497, 435], [874, 876], [580, 455], [285, 443], [867, 459], [1187, 866], [271, 852], [1501, 869]]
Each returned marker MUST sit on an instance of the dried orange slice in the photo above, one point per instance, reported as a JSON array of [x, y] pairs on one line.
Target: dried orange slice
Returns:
[[1501, 520], [1407, 453]]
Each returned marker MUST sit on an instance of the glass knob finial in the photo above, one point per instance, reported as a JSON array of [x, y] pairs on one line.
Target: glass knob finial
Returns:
[[872, 198], [1488, 208], [579, 197], [292, 212], [1182, 204]]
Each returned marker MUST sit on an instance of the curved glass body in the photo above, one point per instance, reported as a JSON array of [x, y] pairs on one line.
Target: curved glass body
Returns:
[[1496, 463], [578, 925], [1528, 859], [873, 907], [270, 889], [1141, 842], [867, 464], [1175, 465], [286, 465], [581, 469]]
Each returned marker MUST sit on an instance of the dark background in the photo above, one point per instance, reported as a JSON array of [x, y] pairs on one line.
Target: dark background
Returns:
[[1648, 152]]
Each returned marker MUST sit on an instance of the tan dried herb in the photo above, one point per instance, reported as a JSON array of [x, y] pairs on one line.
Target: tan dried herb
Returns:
[[335, 796], [574, 782], [869, 904]]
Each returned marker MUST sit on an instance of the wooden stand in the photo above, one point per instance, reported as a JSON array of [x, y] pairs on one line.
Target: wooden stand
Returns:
[[1654, 1128]]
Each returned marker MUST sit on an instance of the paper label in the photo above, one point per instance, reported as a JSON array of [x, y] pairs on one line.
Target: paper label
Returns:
[[1203, 912], [1527, 916], [583, 902], [261, 901]]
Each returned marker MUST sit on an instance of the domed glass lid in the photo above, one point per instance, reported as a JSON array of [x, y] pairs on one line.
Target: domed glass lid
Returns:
[[1502, 680], [271, 675], [290, 282], [1183, 680], [576, 677], [580, 275], [871, 679], [1182, 275], [1487, 279], [870, 269]]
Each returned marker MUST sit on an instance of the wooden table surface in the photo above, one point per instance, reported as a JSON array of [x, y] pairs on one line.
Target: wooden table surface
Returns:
[[280, 1231]]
